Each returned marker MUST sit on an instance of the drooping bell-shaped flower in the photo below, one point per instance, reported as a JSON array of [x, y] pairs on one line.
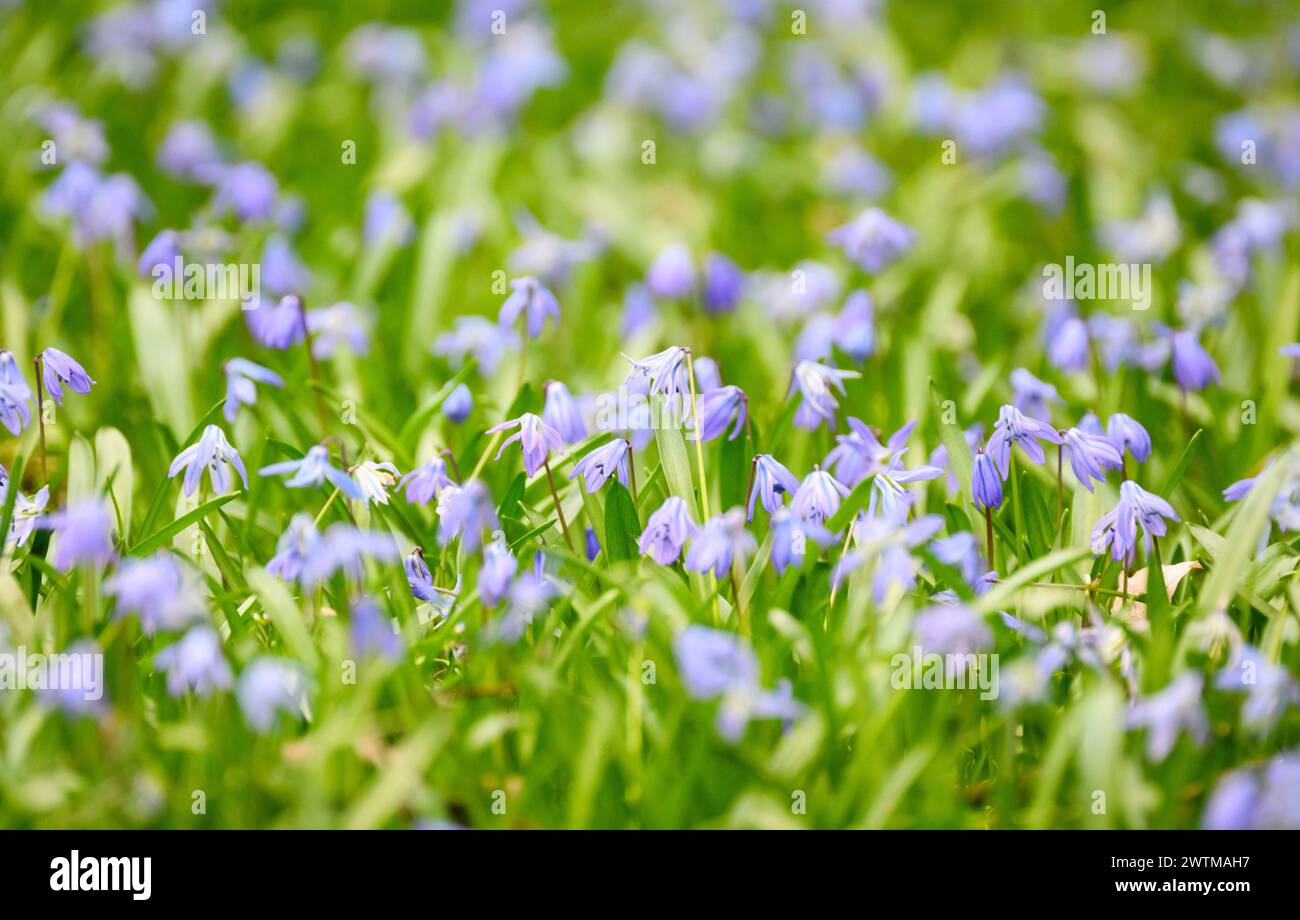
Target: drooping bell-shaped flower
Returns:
[[771, 481], [602, 462], [536, 440], [561, 413], [58, 370], [212, 452], [667, 531], [529, 298]]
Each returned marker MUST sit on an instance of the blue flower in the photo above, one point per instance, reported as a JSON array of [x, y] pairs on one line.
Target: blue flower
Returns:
[[986, 482], [248, 189], [536, 440], [195, 664], [1090, 456], [562, 414], [373, 633], [724, 283], [268, 687], [602, 462], [424, 482], [282, 270], [58, 369], [27, 511], [1117, 530], [159, 590], [717, 408], [241, 379], [1257, 798], [279, 326], [667, 531], [1194, 369], [1031, 395], [951, 629], [14, 395], [721, 542], [85, 533], [530, 298], [458, 404], [790, 536], [818, 497], [212, 452], [465, 513], [888, 497], [299, 542], [1068, 349], [530, 595], [190, 152], [961, 551], [1175, 709], [160, 256], [771, 481], [1269, 687], [672, 274], [475, 335], [1013, 427], [663, 372], [338, 325], [816, 384], [312, 470], [716, 664], [499, 567], [873, 239]]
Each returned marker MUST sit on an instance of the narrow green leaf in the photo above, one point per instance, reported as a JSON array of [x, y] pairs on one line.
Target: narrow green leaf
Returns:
[[621, 525], [164, 534]]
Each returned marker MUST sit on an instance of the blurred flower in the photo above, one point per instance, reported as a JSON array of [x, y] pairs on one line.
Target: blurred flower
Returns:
[[241, 379], [1068, 349], [533, 301], [296, 545], [487, 341], [873, 239], [338, 325], [85, 533], [716, 664], [465, 512], [721, 542], [499, 567], [1127, 434], [159, 590], [195, 664], [387, 220], [860, 454], [724, 284], [790, 536], [672, 274], [718, 408], [1270, 689], [815, 383], [1177, 708], [268, 687], [419, 578], [248, 189], [312, 470], [667, 531], [1194, 369], [189, 152], [212, 452], [458, 404], [160, 255], [1031, 395], [561, 413], [948, 629], [1257, 798], [279, 326], [1150, 238], [14, 395], [374, 480], [373, 633], [423, 483]]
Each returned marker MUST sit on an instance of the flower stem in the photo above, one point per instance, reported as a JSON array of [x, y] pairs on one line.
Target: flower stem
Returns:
[[555, 497], [40, 409], [699, 445], [455, 467], [988, 534], [314, 368], [1020, 509], [631, 475], [1060, 484]]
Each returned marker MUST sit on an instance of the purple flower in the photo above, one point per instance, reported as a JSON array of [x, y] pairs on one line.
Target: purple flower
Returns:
[[159, 590], [716, 664], [951, 629], [1068, 349], [279, 326], [986, 482], [1269, 688], [707, 375], [1117, 529], [855, 327], [724, 284], [1013, 427], [818, 497], [373, 633], [499, 567], [465, 512], [282, 270], [771, 481], [27, 511], [159, 257], [1194, 369], [860, 454], [248, 189], [664, 372], [190, 152], [458, 404], [601, 463], [312, 470], [1175, 709], [195, 663], [241, 379], [1261, 798], [888, 497], [816, 384], [536, 440], [667, 531], [475, 335], [717, 408], [722, 541], [101, 207], [1128, 434], [296, 545], [529, 297], [961, 551], [212, 452], [386, 220], [530, 595], [1031, 395], [338, 325], [14, 395], [639, 308], [561, 413], [85, 533], [268, 687], [873, 239], [345, 548], [672, 274], [1090, 456], [790, 536], [424, 482], [419, 578]]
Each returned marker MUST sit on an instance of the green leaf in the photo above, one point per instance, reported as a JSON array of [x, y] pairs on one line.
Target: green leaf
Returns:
[[164, 534], [284, 613], [676, 463], [621, 525], [1176, 474], [959, 455], [1004, 591]]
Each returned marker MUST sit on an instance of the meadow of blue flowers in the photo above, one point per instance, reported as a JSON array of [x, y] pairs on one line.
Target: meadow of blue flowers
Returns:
[[506, 414]]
